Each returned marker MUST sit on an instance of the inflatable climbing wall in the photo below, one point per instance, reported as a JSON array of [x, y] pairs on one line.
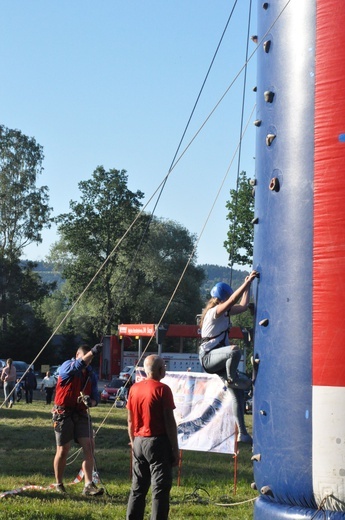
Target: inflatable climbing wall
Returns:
[[299, 244]]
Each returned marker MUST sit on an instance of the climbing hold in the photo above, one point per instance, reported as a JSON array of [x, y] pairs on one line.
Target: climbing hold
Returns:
[[267, 45], [263, 412], [270, 138], [274, 184], [256, 457], [253, 486], [266, 490], [265, 5], [255, 220], [255, 363], [252, 182], [268, 96], [255, 89], [264, 322], [254, 38], [257, 122]]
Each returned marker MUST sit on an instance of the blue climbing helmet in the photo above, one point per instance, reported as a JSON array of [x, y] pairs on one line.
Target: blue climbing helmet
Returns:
[[222, 291]]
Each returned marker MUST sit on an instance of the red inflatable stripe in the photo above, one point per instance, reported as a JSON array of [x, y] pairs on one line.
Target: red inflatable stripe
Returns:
[[329, 197]]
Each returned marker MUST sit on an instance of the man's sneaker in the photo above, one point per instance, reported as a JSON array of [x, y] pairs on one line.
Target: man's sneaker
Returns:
[[60, 488], [91, 490]]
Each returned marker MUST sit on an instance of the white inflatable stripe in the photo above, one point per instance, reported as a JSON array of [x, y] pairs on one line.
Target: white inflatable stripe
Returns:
[[329, 446]]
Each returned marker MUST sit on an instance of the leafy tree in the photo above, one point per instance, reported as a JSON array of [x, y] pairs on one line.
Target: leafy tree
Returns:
[[138, 279], [162, 262], [24, 212], [89, 234], [217, 273], [239, 243], [70, 341], [24, 209], [25, 336], [55, 307]]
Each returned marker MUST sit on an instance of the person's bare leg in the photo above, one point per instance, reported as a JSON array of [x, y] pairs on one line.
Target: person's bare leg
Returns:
[[87, 465], [60, 462]]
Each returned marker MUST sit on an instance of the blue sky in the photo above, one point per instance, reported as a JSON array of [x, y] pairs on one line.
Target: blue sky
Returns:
[[113, 83]]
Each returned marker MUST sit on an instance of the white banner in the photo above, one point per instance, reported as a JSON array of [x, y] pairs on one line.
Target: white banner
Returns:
[[204, 416]]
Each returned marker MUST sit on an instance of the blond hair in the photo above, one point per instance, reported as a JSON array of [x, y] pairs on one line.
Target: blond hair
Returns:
[[210, 304]]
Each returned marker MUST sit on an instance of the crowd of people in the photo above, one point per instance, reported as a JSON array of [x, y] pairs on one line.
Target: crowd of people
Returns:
[[13, 386], [152, 428]]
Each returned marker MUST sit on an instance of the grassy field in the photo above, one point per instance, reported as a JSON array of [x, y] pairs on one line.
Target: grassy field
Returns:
[[26, 459]]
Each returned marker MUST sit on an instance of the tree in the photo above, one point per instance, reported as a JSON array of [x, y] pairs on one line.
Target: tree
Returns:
[[217, 273], [24, 209], [139, 277], [25, 336], [239, 243], [23, 328], [162, 262], [89, 234], [24, 212]]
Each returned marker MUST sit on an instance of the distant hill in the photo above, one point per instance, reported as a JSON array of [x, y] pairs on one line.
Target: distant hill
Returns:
[[214, 274], [218, 273], [47, 273]]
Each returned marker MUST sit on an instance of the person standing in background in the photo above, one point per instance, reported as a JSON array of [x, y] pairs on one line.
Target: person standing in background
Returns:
[[30, 384], [48, 385], [9, 377], [18, 390]]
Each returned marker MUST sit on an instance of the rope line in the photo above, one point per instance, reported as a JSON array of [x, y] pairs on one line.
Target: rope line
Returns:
[[240, 147], [195, 497], [175, 162], [197, 241], [157, 189], [160, 186], [236, 503], [120, 240], [183, 272], [175, 155], [204, 82], [30, 487]]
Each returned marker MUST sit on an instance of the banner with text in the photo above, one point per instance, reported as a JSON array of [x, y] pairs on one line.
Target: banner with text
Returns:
[[204, 416]]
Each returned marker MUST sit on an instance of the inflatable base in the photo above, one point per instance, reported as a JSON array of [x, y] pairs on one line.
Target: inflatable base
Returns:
[[265, 509]]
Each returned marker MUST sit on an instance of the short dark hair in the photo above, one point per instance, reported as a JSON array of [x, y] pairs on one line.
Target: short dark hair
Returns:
[[84, 348]]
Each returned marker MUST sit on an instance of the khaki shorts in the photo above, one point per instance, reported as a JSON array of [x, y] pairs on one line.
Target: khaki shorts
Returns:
[[71, 426]]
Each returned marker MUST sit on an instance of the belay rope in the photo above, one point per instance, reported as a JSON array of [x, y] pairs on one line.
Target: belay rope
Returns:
[[80, 475], [33, 487]]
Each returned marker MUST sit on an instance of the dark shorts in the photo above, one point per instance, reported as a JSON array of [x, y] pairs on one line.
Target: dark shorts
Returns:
[[71, 426]]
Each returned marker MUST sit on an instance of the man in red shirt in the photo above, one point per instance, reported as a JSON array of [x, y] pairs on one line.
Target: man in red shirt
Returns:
[[153, 437]]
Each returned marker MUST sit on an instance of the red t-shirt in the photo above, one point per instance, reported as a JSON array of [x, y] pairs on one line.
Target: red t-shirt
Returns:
[[147, 401]]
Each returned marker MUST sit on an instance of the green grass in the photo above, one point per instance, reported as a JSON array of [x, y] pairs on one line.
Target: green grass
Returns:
[[27, 450]]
